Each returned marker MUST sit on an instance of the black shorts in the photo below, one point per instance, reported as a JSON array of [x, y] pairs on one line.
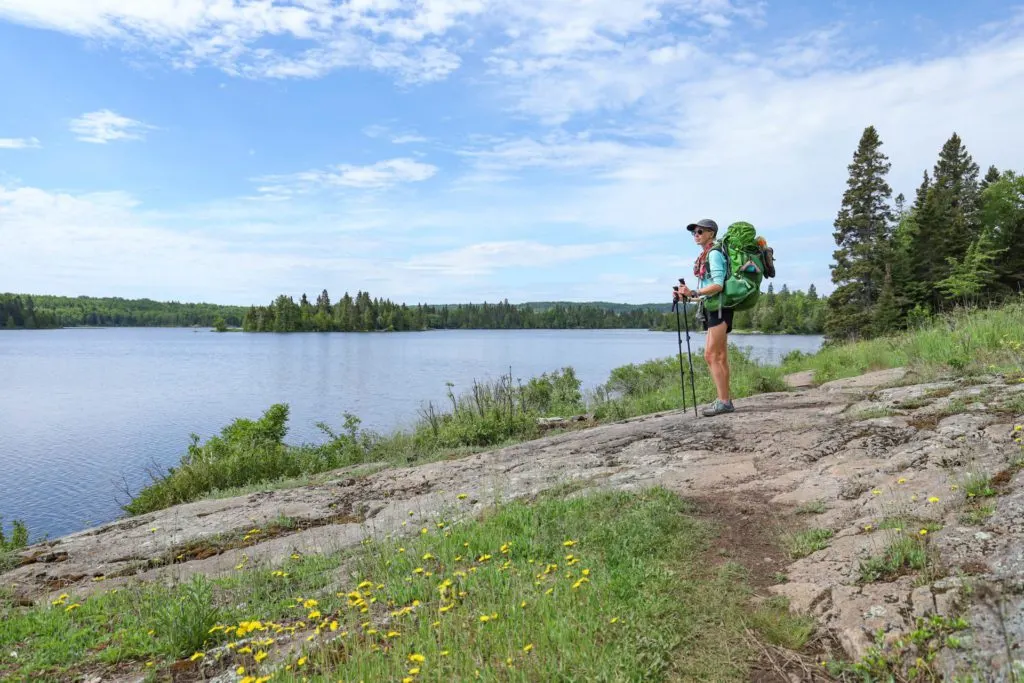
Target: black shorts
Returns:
[[718, 317]]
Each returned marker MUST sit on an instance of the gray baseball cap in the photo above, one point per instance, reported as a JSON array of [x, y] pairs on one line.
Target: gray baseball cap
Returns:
[[703, 223]]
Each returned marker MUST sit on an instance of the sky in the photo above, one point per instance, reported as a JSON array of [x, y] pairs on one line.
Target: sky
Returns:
[[453, 151]]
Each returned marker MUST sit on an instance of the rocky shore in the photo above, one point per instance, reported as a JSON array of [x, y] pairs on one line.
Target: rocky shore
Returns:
[[858, 459]]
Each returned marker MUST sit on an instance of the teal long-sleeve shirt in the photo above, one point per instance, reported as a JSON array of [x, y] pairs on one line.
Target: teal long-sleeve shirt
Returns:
[[716, 271]]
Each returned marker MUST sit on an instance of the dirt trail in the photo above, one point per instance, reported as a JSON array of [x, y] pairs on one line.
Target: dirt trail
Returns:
[[867, 449]]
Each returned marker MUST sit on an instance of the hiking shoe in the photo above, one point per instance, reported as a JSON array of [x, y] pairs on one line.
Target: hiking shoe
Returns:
[[717, 408]]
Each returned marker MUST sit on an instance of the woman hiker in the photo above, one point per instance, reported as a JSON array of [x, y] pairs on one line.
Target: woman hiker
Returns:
[[709, 270]]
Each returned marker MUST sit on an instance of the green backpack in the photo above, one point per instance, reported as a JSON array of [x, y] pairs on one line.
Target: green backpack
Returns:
[[748, 260]]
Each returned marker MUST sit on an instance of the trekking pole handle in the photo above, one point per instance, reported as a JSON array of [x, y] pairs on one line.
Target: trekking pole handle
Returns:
[[682, 282]]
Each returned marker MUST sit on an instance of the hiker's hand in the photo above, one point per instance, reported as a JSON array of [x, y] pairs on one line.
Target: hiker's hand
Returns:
[[686, 292]]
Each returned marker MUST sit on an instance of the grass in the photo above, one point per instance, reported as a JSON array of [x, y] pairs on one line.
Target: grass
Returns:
[[903, 554], [874, 413], [813, 507], [978, 484], [803, 543], [654, 386], [777, 625], [962, 342], [976, 515], [251, 455], [607, 586], [9, 544]]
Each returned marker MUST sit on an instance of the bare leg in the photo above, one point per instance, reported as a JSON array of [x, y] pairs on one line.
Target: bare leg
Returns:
[[716, 354]]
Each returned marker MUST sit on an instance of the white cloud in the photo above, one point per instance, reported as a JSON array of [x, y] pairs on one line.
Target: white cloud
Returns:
[[407, 139], [759, 143], [417, 41], [378, 131], [379, 175], [109, 244], [105, 244], [486, 257], [101, 127], [398, 37], [19, 143]]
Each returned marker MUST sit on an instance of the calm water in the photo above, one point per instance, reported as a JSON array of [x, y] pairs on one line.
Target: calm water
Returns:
[[84, 410]]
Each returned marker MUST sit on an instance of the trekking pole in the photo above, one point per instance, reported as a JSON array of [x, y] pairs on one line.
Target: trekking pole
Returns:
[[689, 354], [679, 336]]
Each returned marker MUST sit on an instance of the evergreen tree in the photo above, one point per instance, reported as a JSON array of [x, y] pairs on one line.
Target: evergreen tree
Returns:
[[948, 222], [886, 315], [973, 274], [862, 228], [1003, 217], [991, 176]]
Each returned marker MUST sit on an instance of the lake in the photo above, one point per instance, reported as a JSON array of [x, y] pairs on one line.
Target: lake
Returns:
[[83, 412]]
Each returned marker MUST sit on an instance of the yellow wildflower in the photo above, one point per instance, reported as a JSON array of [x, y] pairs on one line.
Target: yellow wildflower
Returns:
[[413, 671], [240, 670], [260, 656], [527, 647], [334, 625], [427, 556], [461, 496], [198, 655], [923, 532], [901, 480], [569, 544], [933, 499], [613, 620], [392, 634], [417, 658], [424, 530], [309, 604], [444, 653], [72, 607], [315, 614]]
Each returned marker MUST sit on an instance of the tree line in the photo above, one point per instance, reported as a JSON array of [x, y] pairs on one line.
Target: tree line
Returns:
[[44, 312], [363, 313], [959, 243], [784, 313]]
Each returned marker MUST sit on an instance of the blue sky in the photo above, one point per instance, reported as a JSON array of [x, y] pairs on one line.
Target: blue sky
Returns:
[[465, 150]]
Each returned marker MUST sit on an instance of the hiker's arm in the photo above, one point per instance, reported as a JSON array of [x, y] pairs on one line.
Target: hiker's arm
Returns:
[[716, 261]]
